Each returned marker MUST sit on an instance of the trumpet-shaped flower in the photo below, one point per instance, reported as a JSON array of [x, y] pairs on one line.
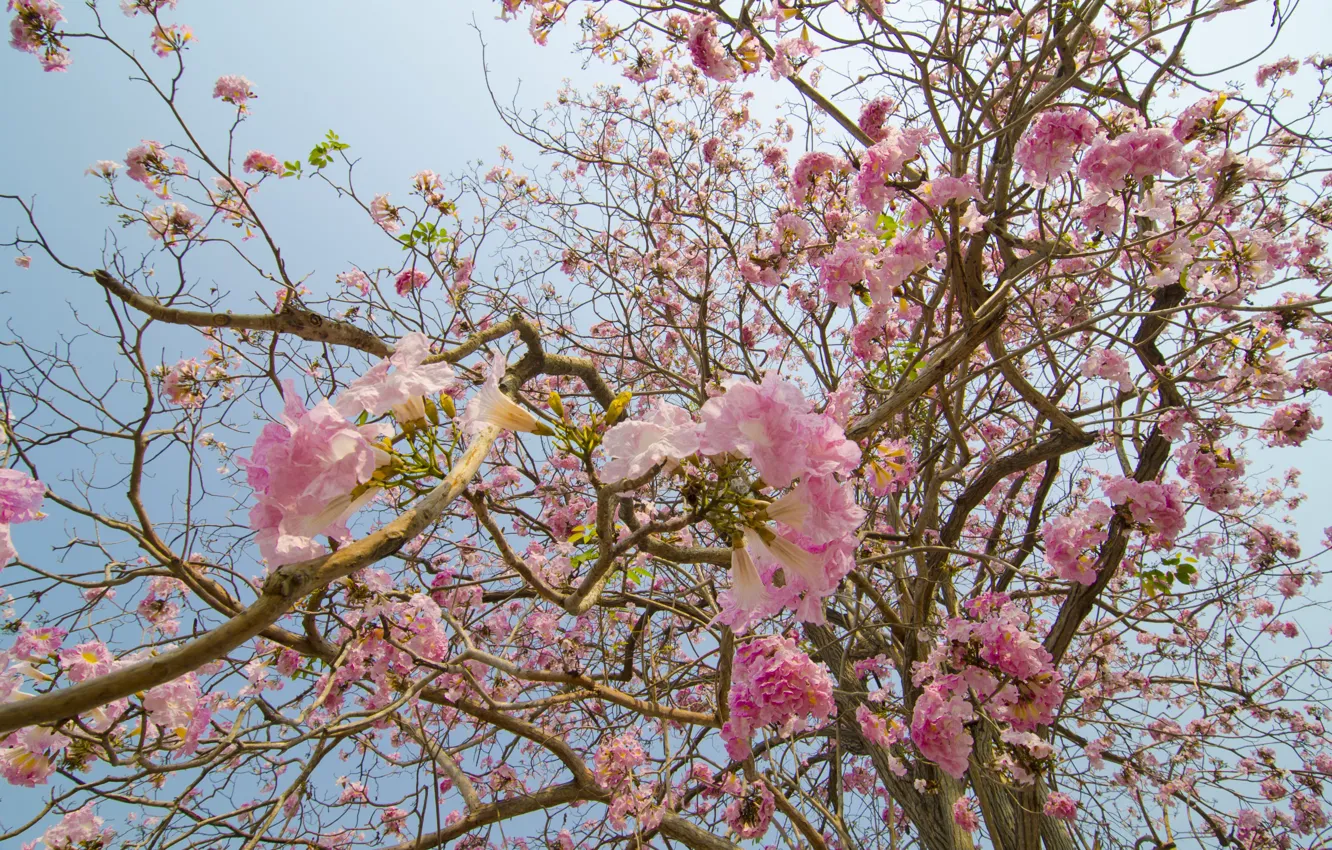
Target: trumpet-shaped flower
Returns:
[[304, 470], [746, 586], [20, 501], [490, 406], [636, 445], [397, 383]]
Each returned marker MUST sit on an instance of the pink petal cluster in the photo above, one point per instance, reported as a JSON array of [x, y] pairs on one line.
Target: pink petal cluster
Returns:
[[181, 387], [409, 280], [668, 433], [355, 279], [147, 7], [774, 683], [178, 707], [1061, 807], [772, 425], [1047, 149], [398, 383], [1214, 472], [964, 814], [821, 508], [1133, 156], [750, 813], [81, 829], [86, 661], [385, 214], [872, 116], [28, 756], [617, 760], [232, 88], [33, 30], [808, 169], [263, 163], [303, 471], [170, 39], [1108, 364], [21, 498], [38, 644], [1275, 71], [938, 729], [1159, 508], [172, 221], [1291, 425], [707, 52], [885, 159], [150, 165], [1068, 538]]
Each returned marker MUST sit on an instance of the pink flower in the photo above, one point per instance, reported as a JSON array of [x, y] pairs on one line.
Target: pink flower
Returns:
[[20, 501], [409, 280], [707, 52], [86, 661], [617, 760], [29, 755], [807, 171], [305, 471], [1276, 70], [1214, 472], [490, 406], [170, 39], [884, 160], [181, 385], [1159, 508], [377, 391], [148, 7], [635, 446], [263, 163], [964, 814], [872, 116], [1047, 149], [38, 644], [79, 830], [846, 267], [172, 221], [177, 707], [891, 467], [1067, 539], [233, 89], [33, 30], [385, 214], [355, 279], [938, 732], [1111, 365], [747, 590], [774, 683], [1136, 155], [103, 168], [1061, 806], [23, 261], [876, 729], [750, 814], [148, 164], [1291, 425], [821, 508]]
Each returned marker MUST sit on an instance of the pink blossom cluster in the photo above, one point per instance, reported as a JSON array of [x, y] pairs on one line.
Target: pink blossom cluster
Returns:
[[617, 760], [808, 169], [21, 498], [150, 165], [1061, 807], [28, 756], [178, 707], [81, 829], [1291, 425], [172, 221], [385, 214], [859, 261], [1110, 365], [707, 52], [410, 280], [1047, 149], [1274, 71], [181, 384], [303, 471], [1158, 508], [356, 280], [147, 7], [1136, 156], [873, 115], [883, 161], [33, 30], [234, 89], [750, 813], [774, 684], [170, 39], [1215, 473], [1068, 538], [398, 383], [667, 434], [986, 661], [262, 163]]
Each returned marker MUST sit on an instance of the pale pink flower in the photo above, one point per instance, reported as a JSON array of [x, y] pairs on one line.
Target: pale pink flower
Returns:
[[808, 169], [79, 830], [1061, 807], [147, 7], [263, 163], [150, 165], [304, 471], [403, 389], [1135, 155], [1108, 364], [38, 644], [410, 280], [385, 214], [1159, 508], [1275, 71], [1291, 425], [355, 279], [1068, 538], [30, 755], [750, 814], [172, 221], [884, 161], [232, 88], [964, 814], [34, 30], [872, 116], [20, 501], [938, 730], [668, 433], [1047, 149], [86, 661], [23, 261], [774, 683], [181, 385], [103, 168], [707, 52], [490, 406], [170, 39], [747, 590]]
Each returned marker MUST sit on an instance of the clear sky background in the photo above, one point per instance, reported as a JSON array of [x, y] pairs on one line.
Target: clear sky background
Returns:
[[399, 80]]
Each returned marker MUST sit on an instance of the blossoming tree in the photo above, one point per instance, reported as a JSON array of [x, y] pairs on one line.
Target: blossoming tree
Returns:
[[845, 435]]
